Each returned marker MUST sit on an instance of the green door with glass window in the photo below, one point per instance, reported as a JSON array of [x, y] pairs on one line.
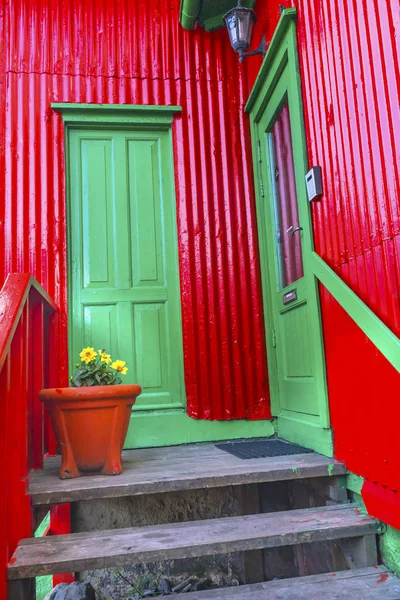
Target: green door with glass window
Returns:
[[124, 280], [292, 313]]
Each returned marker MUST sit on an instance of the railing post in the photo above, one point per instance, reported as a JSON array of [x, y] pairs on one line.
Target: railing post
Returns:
[[37, 378], [50, 358], [4, 467], [28, 362], [19, 513]]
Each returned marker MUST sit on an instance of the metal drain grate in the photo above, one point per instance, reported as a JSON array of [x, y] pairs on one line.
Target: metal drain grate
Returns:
[[262, 449]]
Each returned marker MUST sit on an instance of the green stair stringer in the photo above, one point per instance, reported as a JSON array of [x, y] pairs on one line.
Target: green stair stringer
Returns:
[[379, 334], [389, 540]]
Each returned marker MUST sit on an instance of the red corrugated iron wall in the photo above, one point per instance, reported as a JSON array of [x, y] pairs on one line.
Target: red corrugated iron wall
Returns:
[[353, 124], [350, 69], [350, 63], [137, 52]]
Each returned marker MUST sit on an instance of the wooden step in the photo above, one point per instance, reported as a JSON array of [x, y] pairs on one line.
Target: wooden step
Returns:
[[118, 547], [178, 468], [374, 583]]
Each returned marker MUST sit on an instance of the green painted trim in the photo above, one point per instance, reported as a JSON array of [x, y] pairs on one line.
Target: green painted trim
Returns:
[[379, 334], [213, 23], [75, 113], [265, 288], [309, 435], [288, 16], [354, 483], [190, 10], [177, 427], [193, 12], [216, 21]]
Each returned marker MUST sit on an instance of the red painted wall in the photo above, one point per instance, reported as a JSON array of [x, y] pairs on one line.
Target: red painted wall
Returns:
[[350, 68], [136, 52]]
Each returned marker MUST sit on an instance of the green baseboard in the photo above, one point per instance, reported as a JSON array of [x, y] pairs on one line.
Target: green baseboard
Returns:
[[161, 429], [306, 434]]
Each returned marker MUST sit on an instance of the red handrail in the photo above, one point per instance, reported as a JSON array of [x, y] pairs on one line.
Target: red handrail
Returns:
[[28, 363]]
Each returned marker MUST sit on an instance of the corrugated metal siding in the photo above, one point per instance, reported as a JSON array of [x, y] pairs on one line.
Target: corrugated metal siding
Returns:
[[351, 93], [351, 80], [136, 52], [349, 63]]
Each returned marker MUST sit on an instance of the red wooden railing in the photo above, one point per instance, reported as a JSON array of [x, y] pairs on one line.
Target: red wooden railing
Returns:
[[28, 363]]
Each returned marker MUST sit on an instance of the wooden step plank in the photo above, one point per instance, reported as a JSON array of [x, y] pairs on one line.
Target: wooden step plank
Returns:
[[118, 547], [374, 583], [156, 470]]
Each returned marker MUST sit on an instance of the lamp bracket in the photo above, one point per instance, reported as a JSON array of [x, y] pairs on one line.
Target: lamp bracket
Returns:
[[262, 49]]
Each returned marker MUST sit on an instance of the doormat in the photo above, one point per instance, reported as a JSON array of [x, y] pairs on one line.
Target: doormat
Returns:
[[263, 449]]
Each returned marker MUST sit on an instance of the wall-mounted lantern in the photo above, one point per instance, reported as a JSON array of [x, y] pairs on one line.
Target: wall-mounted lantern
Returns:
[[240, 22]]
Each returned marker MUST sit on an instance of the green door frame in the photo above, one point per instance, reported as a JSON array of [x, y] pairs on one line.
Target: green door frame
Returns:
[[180, 429], [281, 65]]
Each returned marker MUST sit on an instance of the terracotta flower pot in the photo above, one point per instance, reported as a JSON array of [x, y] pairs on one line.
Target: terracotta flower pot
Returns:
[[90, 424]]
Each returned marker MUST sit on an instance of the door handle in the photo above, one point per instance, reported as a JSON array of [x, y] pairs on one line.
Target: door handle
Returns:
[[296, 229]]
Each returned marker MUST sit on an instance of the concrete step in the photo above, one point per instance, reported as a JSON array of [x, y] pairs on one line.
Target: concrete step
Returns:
[[118, 547], [161, 470], [373, 583]]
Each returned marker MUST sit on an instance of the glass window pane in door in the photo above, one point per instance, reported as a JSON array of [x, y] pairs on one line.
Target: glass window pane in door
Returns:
[[288, 232]]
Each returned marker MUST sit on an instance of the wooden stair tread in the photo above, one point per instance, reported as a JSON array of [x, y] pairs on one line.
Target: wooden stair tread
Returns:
[[118, 547], [372, 583], [155, 470]]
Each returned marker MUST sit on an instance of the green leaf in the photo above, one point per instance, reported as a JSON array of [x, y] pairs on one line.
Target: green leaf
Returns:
[[80, 372], [82, 375]]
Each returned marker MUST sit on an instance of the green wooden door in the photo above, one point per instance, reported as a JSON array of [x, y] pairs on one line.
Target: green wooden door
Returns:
[[124, 289], [293, 323]]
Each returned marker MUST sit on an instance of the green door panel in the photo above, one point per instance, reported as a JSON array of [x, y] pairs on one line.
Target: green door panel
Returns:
[[293, 323], [123, 255]]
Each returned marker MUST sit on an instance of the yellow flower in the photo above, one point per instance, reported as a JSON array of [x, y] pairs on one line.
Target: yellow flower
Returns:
[[119, 365], [88, 355], [106, 358]]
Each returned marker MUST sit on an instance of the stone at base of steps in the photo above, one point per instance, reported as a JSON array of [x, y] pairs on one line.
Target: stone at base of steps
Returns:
[[373, 583]]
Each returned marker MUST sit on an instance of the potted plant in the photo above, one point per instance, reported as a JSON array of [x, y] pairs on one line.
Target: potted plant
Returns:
[[91, 418]]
